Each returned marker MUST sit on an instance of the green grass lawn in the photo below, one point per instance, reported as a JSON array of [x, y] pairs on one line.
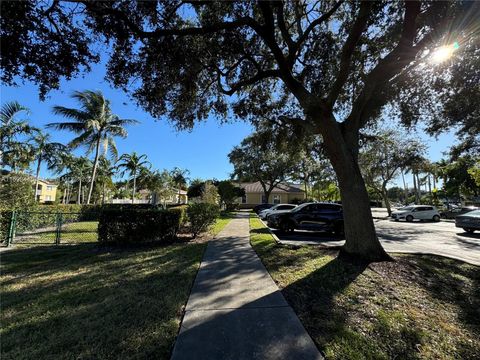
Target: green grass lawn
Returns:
[[82, 302], [418, 307], [221, 222], [75, 232]]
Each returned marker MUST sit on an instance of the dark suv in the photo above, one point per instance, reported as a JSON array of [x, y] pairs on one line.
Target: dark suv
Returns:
[[310, 216]]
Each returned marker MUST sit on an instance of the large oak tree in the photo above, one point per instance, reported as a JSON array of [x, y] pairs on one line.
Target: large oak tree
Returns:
[[331, 65]]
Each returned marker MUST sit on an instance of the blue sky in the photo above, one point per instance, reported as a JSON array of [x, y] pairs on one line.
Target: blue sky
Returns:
[[203, 151]]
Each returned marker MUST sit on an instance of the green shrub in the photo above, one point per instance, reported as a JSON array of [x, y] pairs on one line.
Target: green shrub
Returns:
[[201, 216], [122, 227], [5, 218], [182, 214]]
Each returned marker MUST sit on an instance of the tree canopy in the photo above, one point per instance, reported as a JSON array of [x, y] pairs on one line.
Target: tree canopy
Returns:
[[329, 66]]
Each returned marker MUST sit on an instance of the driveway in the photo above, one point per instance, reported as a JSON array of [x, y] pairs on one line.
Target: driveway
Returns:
[[441, 238]]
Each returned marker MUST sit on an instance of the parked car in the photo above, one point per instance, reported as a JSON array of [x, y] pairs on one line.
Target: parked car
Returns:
[[310, 216], [469, 222], [455, 211], [275, 209], [419, 212], [261, 207]]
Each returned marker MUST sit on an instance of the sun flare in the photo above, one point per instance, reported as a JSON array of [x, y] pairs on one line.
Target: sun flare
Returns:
[[443, 53]]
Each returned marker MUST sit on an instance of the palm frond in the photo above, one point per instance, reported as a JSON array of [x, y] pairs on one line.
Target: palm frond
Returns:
[[76, 114], [9, 110]]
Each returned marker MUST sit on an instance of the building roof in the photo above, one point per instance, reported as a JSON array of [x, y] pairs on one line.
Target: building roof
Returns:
[[256, 187], [46, 182]]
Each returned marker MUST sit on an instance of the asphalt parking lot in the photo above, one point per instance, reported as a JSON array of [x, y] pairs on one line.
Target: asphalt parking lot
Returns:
[[441, 238]]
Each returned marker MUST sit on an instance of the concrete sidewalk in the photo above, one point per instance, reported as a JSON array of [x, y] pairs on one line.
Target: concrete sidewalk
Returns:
[[235, 310]]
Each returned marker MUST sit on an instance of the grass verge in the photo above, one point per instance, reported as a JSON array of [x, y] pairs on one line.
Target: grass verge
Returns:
[[221, 222], [419, 307], [81, 302], [75, 232]]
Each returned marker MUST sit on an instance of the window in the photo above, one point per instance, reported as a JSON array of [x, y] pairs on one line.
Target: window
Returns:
[[49, 187], [276, 199], [48, 198], [244, 199]]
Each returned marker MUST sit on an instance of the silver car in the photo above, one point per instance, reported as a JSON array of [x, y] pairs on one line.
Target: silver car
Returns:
[[276, 209], [419, 212], [469, 221]]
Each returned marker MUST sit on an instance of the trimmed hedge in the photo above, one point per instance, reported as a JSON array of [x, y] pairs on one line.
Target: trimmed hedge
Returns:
[[201, 216], [122, 227], [182, 213]]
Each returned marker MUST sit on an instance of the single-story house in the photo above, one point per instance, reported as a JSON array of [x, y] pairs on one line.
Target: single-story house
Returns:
[[283, 193]]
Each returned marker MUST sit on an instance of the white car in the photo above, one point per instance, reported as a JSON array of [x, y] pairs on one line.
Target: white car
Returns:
[[419, 212], [276, 209]]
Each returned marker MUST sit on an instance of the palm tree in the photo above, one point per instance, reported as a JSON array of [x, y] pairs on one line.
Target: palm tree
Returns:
[[45, 150], [105, 173], [133, 163], [13, 151], [95, 125], [76, 169], [179, 177]]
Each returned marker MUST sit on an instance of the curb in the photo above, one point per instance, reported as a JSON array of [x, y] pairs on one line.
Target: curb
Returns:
[[277, 240]]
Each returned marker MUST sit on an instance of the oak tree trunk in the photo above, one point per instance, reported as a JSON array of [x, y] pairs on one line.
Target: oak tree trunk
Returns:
[[361, 239], [386, 200]]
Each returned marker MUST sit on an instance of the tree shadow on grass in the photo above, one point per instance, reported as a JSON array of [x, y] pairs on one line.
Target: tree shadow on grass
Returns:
[[454, 282], [86, 302], [313, 298]]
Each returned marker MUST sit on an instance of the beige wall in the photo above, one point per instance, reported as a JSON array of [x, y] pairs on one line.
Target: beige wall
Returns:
[[47, 192], [255, 198]]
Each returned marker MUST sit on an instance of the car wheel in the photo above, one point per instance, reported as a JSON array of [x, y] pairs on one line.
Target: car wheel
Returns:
[[436, 218], [286, 226], [339, 229], [470, 231], [409, 218]]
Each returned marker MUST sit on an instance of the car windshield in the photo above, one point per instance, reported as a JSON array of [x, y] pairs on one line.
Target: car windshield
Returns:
[[300, 207], [475, 213]]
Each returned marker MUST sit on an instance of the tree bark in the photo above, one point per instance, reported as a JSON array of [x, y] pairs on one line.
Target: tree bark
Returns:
[[79, 191], [361, 239], [94, 171], [415, 189], [387, 200], [37, 176], [134, 186], [405, 189]]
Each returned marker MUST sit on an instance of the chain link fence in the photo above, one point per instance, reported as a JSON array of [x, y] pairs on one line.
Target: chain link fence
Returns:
[[30, 227]]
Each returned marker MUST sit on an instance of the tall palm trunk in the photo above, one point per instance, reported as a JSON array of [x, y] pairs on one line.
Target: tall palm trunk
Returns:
[[134, 186], [94, 171], [79, 189], [419, 188], [405, 188], [103, 193], [39, 163]]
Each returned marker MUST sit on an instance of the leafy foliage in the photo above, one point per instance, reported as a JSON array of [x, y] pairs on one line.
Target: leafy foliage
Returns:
[[381, 159], [228, 192], [258, 158], [122, 227], [95, 125], [201, 216]]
